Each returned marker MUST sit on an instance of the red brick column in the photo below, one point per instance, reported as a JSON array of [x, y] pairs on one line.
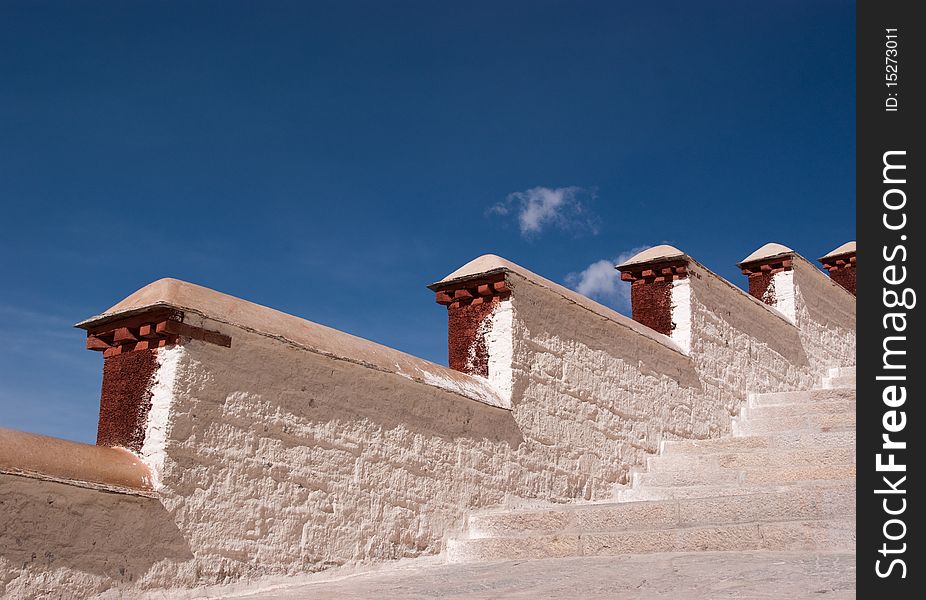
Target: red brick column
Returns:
[[652, 273], [761, 265], [840, 263], [129, 345], [469, 303]]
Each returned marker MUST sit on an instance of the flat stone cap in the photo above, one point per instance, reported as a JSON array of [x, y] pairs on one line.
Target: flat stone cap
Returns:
[[847, 248], [651, 255], [767, 252], [478, 267]]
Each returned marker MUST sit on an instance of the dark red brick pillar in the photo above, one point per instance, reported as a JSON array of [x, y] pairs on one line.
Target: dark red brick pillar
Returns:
[[129, 346], [760, 274], [840, 263], [469, 304], [761, 265], [125, 399], [651, 289]]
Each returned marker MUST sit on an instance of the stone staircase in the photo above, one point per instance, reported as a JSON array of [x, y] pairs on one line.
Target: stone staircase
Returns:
[[784, 480]]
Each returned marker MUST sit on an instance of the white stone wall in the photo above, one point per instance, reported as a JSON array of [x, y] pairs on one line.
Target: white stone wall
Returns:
[[825, 317], [278, 460], [592, 394], [281, 460], [741, 345]]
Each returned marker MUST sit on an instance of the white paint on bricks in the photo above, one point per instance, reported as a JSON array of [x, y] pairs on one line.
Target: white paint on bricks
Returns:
[[499, 342], [475, 389], [158, 424], [681, 314], [783, 286]]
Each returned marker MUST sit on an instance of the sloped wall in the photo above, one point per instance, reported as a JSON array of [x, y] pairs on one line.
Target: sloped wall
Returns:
[[741, 345], [824, 316], [279, 460]]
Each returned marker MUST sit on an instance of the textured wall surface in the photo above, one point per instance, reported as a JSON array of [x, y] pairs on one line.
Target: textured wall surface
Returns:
[[274, 458], [278, 460], [64, 541], [592, 396], [741, 345], [825, 317]]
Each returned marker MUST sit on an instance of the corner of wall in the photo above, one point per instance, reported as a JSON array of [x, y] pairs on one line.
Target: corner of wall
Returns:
[[157, 426]]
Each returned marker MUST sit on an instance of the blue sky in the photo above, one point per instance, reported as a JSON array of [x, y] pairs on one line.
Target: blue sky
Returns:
[[330, 160]]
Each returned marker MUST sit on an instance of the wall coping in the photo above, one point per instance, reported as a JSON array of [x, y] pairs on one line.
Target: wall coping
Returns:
[[83, 465], [298, 332], [490, 264]]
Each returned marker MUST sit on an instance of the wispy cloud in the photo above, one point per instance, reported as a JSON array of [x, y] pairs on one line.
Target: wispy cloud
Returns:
[[602, 282], [541, 207]]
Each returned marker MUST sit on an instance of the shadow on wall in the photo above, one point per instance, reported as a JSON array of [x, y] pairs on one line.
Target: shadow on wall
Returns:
[[50, 528]]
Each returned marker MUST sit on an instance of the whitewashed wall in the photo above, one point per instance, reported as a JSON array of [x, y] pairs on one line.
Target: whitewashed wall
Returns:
[[825, 317], [280, 460], [741, 345]]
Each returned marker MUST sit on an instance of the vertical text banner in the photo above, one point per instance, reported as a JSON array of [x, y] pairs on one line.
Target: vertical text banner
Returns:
[[890, 159]]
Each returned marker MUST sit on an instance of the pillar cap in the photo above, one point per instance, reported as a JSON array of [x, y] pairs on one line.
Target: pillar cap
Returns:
[[766, 253], [655, 254], [847, 248], [163, 293], [487, 264]]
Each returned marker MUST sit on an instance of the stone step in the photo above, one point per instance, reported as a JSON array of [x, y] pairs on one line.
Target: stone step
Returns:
[[806, 408], [777, 458], [810, 535], [847, 381], [801, 397], [840, 377], [759, 443], [794, 504], [748, 475], [767, 425], [841, 372], [630, 494]]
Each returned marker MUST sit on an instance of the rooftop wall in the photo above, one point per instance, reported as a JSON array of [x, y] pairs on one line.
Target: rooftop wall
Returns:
[[275, 445]]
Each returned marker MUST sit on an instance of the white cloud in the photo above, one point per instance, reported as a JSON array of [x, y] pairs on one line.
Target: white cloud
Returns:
[[542, 207], [602, 282]]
